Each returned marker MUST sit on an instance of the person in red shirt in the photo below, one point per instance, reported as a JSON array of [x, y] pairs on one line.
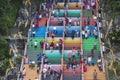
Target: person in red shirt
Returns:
[[85, 68], [37, 24]]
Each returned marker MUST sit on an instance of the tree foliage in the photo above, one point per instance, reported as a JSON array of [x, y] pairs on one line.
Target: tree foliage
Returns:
[[112, 7], [114, 36], [8, 11]]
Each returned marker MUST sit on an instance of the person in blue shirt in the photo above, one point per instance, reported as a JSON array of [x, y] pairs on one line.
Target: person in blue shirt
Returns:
[[88, 21]]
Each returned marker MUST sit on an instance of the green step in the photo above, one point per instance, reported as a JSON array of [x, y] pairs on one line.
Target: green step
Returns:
[[30, 47], [89, 43]]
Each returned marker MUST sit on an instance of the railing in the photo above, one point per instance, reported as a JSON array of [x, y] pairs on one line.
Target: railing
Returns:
[[25, 50], [81, 36], [41, 68], [101, 51], [62, 62]]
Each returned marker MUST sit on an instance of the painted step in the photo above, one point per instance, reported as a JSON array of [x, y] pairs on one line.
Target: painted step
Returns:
[[42, 22], [30, 73], [89, 74]]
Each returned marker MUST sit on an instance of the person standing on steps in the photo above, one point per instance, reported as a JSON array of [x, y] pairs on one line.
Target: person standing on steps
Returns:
[[95, 75]]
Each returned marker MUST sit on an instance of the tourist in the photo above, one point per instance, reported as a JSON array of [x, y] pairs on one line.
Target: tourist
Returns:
[[35, 44], [45, 60], [88, 21], [60, 47], [48, 33], [73, 34], [57, 45], [70, 21], [92, 52], [77, 4], [52, 46], [103, 48], [89, 60], [95, 45], [69, 56], [79, 53], [41, 44], [88, 7], [53, 35], [92, 62], [73, 52], [86, 35], [95, 75], [83, 34], [54, 30], [33, 33], [84, 68]]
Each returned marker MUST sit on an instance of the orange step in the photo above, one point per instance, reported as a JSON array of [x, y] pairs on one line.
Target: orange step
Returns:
[[89, 74], [42, 22], [92, 22], [30, 73]]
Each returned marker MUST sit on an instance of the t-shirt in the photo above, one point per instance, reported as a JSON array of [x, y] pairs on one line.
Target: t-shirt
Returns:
[[54, 28], [35, 43]]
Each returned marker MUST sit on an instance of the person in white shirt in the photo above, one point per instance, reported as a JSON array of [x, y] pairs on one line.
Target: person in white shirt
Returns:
[[75, 23], [40, 16], [33, 25], [54, 30], [53, 12], [57, 45], [35, 44], [95, 18], [83, 34], [103, 47], [86, 28], [89, 60], [33, 33], [70, 20], [44, 6], [86, 35], [92, 3], [100, 25], [88, 7], [99, 15]]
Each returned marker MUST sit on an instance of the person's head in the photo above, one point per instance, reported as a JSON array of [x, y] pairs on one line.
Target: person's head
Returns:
[[95, 70]]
